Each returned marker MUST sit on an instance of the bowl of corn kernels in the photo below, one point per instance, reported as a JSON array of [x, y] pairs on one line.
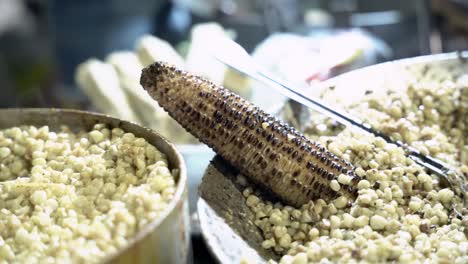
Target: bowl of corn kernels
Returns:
[[402, 213], [78, 187]]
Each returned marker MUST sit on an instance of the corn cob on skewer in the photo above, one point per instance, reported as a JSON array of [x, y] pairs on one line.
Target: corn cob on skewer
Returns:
[[265, 149]]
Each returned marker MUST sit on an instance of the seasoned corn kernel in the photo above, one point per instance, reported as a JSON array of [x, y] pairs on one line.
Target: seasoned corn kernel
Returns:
[[334, 185], [76, 197]]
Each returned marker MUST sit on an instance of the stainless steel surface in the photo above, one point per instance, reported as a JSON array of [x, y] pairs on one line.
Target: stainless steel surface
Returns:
[[226, 221], [229, 245], [197, 157], [215, 210], [164, 240]]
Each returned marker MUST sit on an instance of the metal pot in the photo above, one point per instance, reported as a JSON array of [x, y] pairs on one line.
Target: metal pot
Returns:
[[165, 239]]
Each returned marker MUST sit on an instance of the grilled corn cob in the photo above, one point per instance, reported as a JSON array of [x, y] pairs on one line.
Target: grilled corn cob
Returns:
[[263, 148]]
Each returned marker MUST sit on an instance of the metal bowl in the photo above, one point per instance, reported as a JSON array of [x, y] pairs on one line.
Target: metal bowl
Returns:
[[225, 219], [165, 239]]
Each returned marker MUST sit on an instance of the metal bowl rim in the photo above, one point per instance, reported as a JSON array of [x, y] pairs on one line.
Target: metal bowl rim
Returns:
[[460, 55]]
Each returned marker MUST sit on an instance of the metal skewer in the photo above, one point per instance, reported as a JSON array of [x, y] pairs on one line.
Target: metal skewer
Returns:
[[243, 63]]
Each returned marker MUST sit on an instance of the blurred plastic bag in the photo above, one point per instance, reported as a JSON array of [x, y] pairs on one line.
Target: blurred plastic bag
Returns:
[[319, 56]]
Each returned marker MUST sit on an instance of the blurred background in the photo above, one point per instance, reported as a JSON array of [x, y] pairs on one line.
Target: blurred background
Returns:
[[88, 54], [42, 42]]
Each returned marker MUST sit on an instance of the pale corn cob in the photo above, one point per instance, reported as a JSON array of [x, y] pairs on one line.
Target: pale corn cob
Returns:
[[100, 82], [263, 148], [150, 49], [129, 69]]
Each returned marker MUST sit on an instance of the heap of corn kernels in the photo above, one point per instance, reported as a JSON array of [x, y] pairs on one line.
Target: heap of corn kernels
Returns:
[[76, 197], [401, 213]]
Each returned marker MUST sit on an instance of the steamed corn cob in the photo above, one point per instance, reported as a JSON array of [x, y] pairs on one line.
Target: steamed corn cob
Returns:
[[263, 148], [100, 82], [150, 49], [129, 69]]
